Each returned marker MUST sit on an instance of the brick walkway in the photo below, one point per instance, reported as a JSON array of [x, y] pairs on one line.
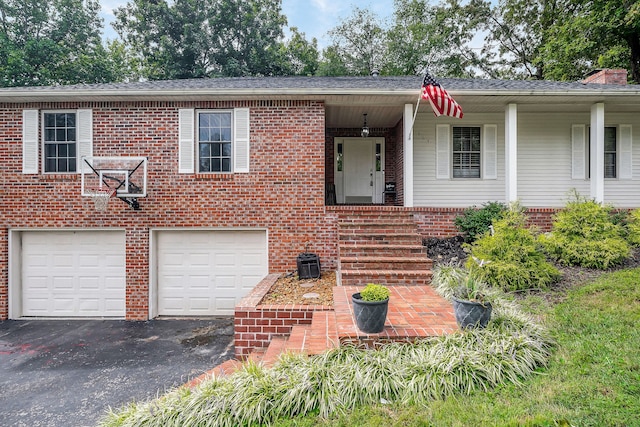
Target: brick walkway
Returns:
[[414, 312]]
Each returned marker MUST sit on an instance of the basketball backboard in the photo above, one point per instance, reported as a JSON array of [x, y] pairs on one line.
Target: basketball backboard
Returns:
[[125, 176]]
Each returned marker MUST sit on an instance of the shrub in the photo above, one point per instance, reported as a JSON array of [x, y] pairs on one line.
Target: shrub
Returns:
[[584, 234], [374, 292], [474, 222], [633, 227], [511, 258]]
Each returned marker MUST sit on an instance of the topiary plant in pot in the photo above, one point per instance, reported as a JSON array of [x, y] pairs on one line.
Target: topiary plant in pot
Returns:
[[470, 305], [370, 307]]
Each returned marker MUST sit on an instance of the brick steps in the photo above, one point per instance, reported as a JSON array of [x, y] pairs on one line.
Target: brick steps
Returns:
[[386, 277], [355, 249], [312, 339], [381, 247], [385, 263]]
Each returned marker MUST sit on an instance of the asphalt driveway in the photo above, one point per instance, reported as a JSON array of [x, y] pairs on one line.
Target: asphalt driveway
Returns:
[[67, 373]]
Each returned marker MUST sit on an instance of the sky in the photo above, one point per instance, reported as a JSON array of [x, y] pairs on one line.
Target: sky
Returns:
[[312, 17]]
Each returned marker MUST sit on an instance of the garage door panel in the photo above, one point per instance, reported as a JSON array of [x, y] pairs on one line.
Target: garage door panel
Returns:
[[73, 273], [206, 271]]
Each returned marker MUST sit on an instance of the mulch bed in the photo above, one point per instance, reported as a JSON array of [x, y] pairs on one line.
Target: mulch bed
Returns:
[[291, 290]]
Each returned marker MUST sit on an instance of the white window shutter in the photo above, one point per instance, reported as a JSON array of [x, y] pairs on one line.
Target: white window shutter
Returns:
[[490, 152], [186, 151], [84, 134], [625, 146], [578, 153], [241, 140], [442, 151], [30, 141]]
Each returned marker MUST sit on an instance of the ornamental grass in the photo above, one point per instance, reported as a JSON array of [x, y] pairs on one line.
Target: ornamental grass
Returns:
[[509, 350]]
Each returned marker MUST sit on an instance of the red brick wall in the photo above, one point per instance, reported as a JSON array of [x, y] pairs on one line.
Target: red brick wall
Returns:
[[256, 324], [283, 193]]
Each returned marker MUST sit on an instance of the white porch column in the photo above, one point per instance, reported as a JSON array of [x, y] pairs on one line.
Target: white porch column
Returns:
[[597, 152], [407, 149], [511, 153]]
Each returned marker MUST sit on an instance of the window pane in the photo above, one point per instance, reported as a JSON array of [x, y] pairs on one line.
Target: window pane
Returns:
[[225, 134], [226, 165], [72, 165], [214, 120], [50, 165], [215, 135], [72, 150], [50, 150], [226, 150], [204, 135], [62, 150], [62, 165], [215, 165], [225, 120], [205, 150], [70, 120], [215, 150], [61, 135], [49, 120], [205, 164], [204, 120]]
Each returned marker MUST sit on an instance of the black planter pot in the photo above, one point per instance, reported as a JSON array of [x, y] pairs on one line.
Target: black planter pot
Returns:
[[370, 315], [471, 314]]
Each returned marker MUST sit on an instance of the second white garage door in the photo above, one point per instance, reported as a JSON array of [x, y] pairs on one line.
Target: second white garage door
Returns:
[[204, 273]]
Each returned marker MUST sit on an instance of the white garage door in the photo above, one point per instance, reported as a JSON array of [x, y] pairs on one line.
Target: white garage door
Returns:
[[205, 273], [73, 273]]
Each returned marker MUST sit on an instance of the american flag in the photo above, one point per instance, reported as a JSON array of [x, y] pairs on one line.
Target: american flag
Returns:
[[440, 100]]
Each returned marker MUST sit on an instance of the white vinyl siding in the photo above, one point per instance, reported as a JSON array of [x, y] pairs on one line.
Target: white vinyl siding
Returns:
[[578, 151], [430, 186]]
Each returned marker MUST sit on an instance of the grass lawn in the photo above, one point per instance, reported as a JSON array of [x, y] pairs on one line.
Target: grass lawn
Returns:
[[593, 378]]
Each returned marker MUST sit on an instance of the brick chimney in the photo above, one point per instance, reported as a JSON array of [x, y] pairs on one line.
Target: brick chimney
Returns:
[[607, 77]]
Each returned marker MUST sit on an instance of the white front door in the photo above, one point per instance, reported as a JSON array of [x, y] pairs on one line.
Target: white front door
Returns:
[[358, 170]]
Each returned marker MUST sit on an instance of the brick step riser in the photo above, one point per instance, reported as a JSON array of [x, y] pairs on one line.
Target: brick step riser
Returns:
[[348, 280], [418, 264], [364, 251], [377, 229], [380, 240], [376, 216]]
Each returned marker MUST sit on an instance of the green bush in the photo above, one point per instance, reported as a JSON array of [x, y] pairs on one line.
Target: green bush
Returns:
[[511, 258], [474, 222], [633, 227], [584, 233], [374, 292]]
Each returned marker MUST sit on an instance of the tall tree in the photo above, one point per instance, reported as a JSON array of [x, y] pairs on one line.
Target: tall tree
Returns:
[[358, 45], [196, 38], [435, 37], [301, 55], [52, 42], [597, 33]]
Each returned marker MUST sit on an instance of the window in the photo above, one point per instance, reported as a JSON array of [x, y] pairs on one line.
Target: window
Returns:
[[466, 152], [610, 152], [60, 143], [215, 141], [610, 170]]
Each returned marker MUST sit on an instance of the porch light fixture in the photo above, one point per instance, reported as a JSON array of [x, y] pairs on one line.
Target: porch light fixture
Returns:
[[365, 129]]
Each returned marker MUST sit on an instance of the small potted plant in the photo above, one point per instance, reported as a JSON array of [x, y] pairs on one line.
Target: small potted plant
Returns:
[[370, 307], [470, 305]]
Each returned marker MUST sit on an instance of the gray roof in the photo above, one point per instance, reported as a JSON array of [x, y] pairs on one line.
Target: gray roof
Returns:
[[306, 86]]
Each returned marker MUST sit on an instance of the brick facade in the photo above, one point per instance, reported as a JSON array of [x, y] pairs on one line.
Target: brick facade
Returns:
[[283, 193]]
